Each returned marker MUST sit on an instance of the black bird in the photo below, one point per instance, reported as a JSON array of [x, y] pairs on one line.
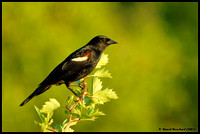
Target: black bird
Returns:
[[76, 66]]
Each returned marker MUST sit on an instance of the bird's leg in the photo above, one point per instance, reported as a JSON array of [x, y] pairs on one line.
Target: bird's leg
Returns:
[[81, 85], [84, 87], [84, 79], [74, 85], [78, 85], [68, 86]]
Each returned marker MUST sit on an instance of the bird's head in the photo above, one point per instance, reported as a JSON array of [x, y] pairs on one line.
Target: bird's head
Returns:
[[101, 42]]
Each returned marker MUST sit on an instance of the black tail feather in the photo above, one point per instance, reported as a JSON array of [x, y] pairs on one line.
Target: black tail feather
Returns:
[[27, 99], [38, 91]]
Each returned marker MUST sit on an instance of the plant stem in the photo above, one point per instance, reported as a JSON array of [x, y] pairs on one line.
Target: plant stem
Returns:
[[51, 129], [70, 116]]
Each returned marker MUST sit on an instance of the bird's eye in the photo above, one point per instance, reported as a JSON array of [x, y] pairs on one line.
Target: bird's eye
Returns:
[[106, 40]]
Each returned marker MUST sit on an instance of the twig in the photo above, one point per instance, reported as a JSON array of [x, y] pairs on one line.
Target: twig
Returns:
[[51, 129], [88, 95], [71, 110]]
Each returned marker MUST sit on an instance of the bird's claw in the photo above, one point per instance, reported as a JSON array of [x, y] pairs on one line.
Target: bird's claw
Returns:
[[80, 97]]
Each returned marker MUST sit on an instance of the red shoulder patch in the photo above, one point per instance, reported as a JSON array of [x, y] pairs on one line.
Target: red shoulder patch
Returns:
[[84, 58], [88, 54]]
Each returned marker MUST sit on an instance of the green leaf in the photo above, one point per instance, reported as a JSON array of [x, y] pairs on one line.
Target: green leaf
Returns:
[[37, 124], [69, 101], [92, 83], [50, 105], [78, 82], [88, 102], [77, 112], [100, 97], [49, 115], [51, 121], [67, 111], [89, 113], [88, 119], [97, 85], [103, 60], [102, 73], [65, 123], [68, 130], [110, 93], [97, 112], [40, 114], [58, 127], [94, 112], [73, 122]]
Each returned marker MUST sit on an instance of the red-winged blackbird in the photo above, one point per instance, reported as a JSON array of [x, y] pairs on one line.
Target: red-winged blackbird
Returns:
[[76, 66]]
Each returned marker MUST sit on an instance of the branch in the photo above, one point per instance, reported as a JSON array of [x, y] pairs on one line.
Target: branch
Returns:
[[71, 110], [51, 129]]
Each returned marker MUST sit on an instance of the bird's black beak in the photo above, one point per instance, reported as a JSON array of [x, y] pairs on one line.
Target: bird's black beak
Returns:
[[111, 42]]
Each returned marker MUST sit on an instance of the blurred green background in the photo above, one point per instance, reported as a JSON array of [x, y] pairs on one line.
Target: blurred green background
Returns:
[[154, 66]]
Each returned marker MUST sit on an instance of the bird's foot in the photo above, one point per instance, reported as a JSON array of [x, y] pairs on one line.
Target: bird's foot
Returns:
[[80, 97]]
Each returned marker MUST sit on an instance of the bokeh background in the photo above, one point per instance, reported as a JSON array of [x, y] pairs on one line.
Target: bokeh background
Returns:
[[154, 66]]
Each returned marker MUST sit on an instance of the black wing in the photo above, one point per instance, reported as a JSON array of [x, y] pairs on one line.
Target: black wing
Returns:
[[67, 67]]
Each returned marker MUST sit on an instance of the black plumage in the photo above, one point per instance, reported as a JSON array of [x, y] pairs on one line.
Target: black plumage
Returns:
[[76, 66]]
